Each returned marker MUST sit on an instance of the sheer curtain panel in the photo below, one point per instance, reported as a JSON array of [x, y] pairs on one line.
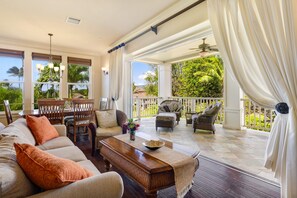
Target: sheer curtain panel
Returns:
[[116, 63], [257, 41]]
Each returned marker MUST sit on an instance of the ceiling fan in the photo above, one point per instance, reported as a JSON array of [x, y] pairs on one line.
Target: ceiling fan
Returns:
[[204, 48]]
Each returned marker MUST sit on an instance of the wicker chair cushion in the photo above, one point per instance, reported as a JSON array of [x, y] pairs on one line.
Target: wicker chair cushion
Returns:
[[211, 109], [166, 116], [170, 106], [107, 118], [166, 108]]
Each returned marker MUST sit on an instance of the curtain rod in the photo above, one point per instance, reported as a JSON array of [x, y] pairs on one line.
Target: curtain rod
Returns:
[[154, 28]]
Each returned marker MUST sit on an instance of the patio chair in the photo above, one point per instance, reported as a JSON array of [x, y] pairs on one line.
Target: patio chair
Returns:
[[206, 119], [171, 106]]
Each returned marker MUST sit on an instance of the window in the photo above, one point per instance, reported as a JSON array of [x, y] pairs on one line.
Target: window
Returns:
[[46, 82], [11, 78], [78, 77]]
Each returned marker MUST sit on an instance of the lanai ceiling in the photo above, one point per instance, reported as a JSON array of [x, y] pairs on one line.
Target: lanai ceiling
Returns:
[[179, 52], [102, 21]]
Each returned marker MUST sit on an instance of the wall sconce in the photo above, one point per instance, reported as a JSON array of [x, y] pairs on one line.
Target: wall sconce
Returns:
[[105, 71]]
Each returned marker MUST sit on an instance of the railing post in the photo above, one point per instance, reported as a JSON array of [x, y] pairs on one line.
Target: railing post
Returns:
[[138, 108], [193, 105], [160, 99]]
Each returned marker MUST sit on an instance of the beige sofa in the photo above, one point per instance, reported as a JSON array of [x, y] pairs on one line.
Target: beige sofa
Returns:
[[14, 183]]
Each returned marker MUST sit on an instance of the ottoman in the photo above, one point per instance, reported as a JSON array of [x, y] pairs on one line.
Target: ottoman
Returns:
[[165, 120]]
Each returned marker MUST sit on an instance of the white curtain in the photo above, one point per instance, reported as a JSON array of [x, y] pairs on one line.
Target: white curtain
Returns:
[[116, 64], [257, 42]]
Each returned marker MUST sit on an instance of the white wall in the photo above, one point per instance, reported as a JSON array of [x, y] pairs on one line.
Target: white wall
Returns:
[[95, 89], [105, 78]]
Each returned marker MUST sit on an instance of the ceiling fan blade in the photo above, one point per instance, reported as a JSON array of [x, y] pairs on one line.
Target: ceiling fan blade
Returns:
[[213, 49]]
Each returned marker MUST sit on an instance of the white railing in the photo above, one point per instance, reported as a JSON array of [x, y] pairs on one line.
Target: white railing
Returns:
[[148, 106], [257, 117], [254, 116], [145, 106]]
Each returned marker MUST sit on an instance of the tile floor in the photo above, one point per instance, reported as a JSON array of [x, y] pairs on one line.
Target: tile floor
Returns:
[[242, 149]]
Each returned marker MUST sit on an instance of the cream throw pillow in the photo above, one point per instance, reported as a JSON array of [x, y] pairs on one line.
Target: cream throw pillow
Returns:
[[107, 119]]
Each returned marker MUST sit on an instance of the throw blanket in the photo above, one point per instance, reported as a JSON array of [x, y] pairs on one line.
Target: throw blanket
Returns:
[[183, 165]]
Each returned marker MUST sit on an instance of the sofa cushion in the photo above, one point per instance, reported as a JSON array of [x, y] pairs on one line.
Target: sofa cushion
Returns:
[[13, 131], [46, 170], [41, 129], [107, 118], [2, 126], [112, 131], [21, 124], [57, 142], [69, 152], [87, 164], [13, 181]]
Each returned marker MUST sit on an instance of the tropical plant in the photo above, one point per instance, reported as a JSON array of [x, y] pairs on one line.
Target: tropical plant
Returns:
[[78, 74], [42, 90], [201, 77], [151, 78], [14, 95], [15, 71], [133, 87]]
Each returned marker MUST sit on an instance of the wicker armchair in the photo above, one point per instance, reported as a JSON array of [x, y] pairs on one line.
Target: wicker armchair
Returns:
[[98, 133], [171, 106], [206, 119]]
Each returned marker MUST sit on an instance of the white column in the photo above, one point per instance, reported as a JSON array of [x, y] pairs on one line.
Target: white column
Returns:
[[164, 84], [28, 92], [232, 95]]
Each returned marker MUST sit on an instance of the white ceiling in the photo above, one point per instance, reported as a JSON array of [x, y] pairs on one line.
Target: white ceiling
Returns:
[[102, 21]]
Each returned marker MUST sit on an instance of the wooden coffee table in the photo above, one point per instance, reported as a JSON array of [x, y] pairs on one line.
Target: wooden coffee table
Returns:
[[149, 172]]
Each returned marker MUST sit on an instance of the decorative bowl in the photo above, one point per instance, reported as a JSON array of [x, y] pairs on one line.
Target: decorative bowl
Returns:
[[153, 144]]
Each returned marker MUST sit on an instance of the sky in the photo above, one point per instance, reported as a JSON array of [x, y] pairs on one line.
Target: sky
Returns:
[[8, 62], [5, 64], [138, 72]]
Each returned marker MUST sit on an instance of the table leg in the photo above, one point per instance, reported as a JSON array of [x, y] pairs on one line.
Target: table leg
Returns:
[[151, 194], [107, 165]]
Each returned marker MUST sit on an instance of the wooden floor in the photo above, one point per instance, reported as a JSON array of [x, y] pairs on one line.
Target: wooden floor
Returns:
[[213, 179]]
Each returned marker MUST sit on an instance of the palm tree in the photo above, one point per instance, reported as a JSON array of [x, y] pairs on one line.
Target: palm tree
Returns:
[[15, 71], [77, 74]]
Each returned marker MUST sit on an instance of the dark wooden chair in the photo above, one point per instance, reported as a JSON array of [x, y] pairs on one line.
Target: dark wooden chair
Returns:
[[7, 111], [206, 119], [52, 109], [82, 115]]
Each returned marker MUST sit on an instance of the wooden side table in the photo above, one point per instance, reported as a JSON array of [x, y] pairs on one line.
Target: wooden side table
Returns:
[[189, 117]]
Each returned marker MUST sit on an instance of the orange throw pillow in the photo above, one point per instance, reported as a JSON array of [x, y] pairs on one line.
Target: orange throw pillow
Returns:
[[46, 170], [41, 128]]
